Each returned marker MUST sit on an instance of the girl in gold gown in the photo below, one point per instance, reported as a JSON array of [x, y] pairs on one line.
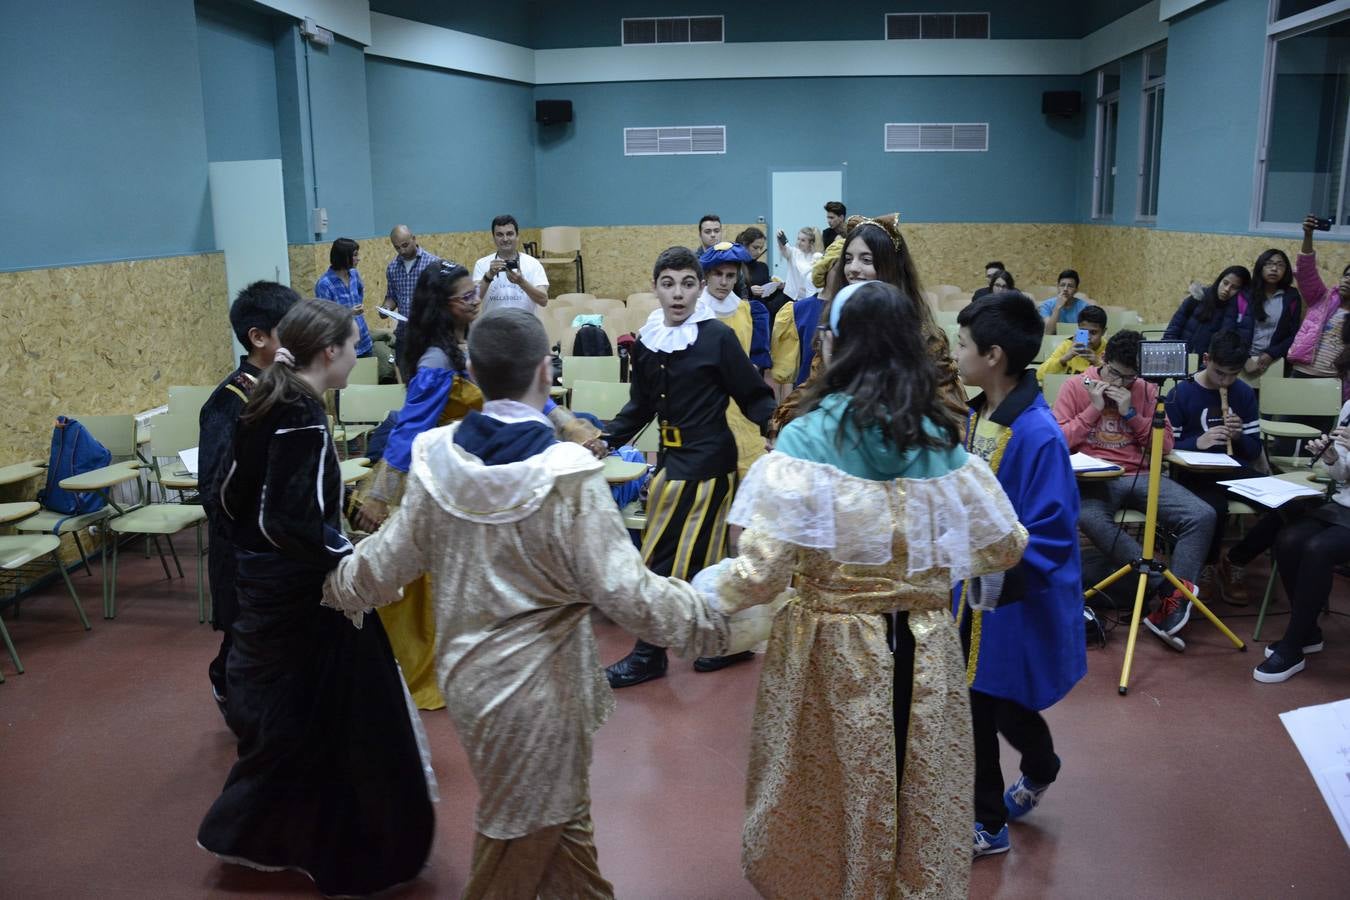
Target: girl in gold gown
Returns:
[[866, 513]]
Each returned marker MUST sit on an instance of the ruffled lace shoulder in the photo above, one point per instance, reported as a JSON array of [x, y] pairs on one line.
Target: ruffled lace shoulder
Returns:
[[946, 520]]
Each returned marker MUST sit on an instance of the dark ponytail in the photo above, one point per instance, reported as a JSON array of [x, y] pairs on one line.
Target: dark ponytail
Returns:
[[311, 327]]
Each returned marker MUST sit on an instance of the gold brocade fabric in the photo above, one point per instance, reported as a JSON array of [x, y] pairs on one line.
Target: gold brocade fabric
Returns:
[[516, 656], [749, 442], [825, 814], [949, 388], [411, 623]]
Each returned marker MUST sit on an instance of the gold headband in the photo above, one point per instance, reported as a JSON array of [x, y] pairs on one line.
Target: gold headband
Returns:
[[888, 224]]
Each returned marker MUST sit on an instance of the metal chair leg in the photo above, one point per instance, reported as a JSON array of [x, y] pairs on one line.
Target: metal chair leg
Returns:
[[110, 607], [84, 558], [168, 539], [162, 561], [1265, 601], [9, 645], [84, 620]]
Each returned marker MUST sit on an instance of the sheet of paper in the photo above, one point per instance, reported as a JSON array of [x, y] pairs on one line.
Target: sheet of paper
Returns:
[[392, 314], [1202, 458], [1268, 491], [189, 458], [1322, 736], [1081, 462]]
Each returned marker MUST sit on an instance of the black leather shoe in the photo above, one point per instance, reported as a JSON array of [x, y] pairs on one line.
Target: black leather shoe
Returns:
[[713, 663], [646, 662]]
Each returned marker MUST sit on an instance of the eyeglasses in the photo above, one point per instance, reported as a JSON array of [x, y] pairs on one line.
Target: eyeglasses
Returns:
[[1120, 376], [470, 296]]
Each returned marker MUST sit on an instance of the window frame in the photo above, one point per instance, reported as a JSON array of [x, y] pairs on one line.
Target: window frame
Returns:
[[1104, 101], [1152, 85], [1278, 30]]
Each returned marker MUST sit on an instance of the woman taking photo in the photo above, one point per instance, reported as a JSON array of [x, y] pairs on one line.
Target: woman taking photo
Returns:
[[1204, 312], [860, 781], [329, 781]]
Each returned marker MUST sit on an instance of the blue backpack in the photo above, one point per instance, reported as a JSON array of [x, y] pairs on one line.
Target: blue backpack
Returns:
[[74, 452]]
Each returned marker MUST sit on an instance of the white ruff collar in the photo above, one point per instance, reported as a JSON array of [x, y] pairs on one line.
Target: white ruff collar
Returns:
[[655, 334], [720, 308]]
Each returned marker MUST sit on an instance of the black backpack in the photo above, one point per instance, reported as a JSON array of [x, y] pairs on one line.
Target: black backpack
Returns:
[[591, 340]]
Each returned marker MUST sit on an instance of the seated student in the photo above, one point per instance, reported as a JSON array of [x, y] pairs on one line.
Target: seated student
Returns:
[[1204, 312], [1073, 358], [1307, 552], [1064, 306], [254, 316], [537, 543], [1201, 421], [1275, 307], [1107, 412], [1028, 653], [991, 270]]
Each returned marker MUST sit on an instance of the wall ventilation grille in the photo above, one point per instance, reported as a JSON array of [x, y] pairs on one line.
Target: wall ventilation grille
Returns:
[[675, 141], [937, 26], [912, 137], [673, 30]]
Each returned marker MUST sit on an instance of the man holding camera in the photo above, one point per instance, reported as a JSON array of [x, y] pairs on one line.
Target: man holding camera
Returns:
[[509, 278]]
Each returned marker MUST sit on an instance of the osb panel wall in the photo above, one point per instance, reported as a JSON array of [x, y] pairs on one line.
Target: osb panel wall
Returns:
[[1150, 271], [1139, 268], [310, 261], [106, 339]]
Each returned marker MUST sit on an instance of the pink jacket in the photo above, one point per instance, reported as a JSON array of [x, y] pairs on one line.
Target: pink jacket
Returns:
[[1322, 302]]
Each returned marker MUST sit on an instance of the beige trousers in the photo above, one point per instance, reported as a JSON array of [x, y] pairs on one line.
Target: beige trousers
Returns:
[[555, 863]]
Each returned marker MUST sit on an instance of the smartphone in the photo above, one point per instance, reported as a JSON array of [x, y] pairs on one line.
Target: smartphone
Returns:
[[1081, 337], [1323, 225]]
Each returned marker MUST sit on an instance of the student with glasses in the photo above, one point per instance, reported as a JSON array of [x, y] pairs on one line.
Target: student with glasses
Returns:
[[1107, 412]]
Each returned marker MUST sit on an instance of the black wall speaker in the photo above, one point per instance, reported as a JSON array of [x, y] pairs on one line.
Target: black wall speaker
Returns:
[[552, 112], [1064, 104]]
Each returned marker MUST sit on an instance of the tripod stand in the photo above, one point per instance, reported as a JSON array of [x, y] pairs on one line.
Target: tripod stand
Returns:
[[1147, 565]]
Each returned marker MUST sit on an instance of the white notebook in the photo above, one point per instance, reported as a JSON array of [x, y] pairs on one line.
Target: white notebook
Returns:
[[1204, 458], [1270, 492], [1081, 462]]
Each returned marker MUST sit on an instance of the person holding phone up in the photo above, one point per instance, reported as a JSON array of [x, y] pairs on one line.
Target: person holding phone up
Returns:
[[1076, 354], [1321, 337]]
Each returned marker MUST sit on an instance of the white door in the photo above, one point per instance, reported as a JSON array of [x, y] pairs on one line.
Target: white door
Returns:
[[799, 200], [248, 210]]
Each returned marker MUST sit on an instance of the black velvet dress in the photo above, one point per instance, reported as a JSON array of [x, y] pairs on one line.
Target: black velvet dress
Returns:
[[330, 778]]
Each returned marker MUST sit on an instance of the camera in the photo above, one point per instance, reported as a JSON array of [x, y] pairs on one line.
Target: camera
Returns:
[[1323, 225], [513, 264]]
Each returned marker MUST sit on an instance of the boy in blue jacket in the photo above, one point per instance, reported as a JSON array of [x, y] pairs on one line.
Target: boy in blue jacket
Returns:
[[1023, 629]]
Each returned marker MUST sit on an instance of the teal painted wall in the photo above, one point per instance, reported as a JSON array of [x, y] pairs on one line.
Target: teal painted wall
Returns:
[[448, 151], [239, 81], [1210, 131], [585, 179], [104, 147]]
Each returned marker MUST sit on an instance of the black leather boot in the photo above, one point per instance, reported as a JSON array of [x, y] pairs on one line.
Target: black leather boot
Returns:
[[713, 663], [647, 661]]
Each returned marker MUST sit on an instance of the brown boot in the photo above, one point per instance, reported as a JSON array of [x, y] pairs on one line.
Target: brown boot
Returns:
[[1232, 580]]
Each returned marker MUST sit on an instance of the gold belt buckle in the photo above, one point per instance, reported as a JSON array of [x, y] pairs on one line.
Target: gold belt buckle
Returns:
[[670, 436]]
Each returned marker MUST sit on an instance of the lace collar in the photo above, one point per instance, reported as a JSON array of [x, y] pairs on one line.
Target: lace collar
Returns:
[[657, 335], [720, 308]]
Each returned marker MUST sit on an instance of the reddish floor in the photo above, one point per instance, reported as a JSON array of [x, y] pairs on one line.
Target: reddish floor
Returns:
[[111, 750]]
